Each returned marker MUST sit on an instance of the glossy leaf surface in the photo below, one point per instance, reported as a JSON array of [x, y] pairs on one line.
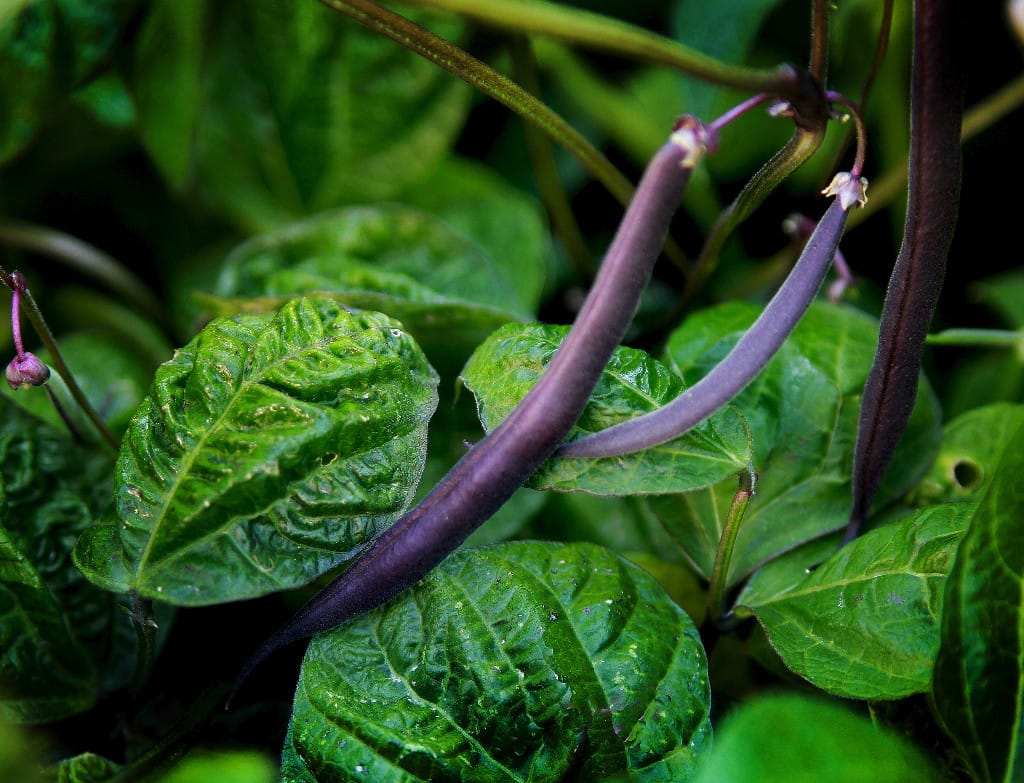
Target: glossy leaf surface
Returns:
[[273, 110], [269, 449], [525, 661], [399, 260], [865, 623], [802, 412], [978, 689], [54, 626], [507, 365], [798, 739]]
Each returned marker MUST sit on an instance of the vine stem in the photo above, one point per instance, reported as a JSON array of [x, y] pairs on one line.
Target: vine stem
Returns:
[[727, 543], [35, 317]]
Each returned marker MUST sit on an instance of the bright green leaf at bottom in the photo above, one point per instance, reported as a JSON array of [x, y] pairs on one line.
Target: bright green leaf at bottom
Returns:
[[797, 739], [520, 662], [978, 687]]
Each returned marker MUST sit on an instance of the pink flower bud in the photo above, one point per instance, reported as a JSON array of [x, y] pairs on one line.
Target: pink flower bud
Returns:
[[26, 370]]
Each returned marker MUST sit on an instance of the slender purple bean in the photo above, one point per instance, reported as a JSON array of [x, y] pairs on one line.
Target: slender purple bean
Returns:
[[494, 468], [934, 194], [749, 356]]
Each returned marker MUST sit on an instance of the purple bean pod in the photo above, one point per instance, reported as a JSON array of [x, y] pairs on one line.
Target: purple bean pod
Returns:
[[493, 469], [748, 357], [934, 194]]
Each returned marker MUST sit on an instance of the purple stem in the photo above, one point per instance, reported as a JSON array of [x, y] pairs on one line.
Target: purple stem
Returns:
[[19, 286], [934, 193], [728, 378], [493, 469]]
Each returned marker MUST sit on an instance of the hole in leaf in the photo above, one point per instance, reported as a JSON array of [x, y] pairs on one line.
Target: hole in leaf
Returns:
[[328, 458], [967, 474]]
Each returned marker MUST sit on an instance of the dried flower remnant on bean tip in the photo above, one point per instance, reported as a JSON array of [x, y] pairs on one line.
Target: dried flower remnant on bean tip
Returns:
[[25, 369], [849, 189]]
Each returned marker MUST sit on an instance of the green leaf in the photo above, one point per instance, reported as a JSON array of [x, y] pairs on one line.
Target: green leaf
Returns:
[[799, 739], [270, 449], [239, 766], [19, 752], [978, 687], [865, 623], [54, 625], [84, 768], [524, 661], [47, 47], [802, 413], [394, 259], [273, 110], [504, 221], [508, 364], [45, 673], [971, 447]]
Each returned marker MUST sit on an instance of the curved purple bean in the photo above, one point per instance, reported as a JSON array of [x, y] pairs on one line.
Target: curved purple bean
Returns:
[[747, 358], [494, 468]]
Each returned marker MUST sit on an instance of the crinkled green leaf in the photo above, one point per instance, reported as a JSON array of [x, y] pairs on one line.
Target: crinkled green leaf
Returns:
[[508, 364], [978, 689], [971, 447], [270, 448], [865, 623], [51, 491], [525, 661], [269, 111], [799, 739], [802, 412], [45, 673], [47, 47], [84, 768]]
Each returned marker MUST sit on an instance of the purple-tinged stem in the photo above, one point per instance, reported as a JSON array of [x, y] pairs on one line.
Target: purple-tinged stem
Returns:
[[934, 192], [728, 378], [493, 469], [19, 286]]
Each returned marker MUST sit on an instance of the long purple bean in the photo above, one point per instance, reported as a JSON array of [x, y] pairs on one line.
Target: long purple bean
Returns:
[[494, 468], [747, 358], [934, 191]]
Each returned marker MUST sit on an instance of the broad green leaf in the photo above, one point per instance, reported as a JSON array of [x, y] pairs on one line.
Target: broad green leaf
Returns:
[[525, 661], [802, 413], [47, 47], [269, 449], [270, 111], [971, 447], [19, 753], [508, 364], [394, 259], [239, 766], [801, 739], [978, 688], [865, 623], [55, 625], [501, 219]]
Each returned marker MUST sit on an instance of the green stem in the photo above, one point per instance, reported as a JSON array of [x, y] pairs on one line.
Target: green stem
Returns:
[[83, 257], [488, 81], [803, 144], [979, 338], [545, 171], [35, 317], [727, 543], [611, 35], [145, 628], [819, 39]]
